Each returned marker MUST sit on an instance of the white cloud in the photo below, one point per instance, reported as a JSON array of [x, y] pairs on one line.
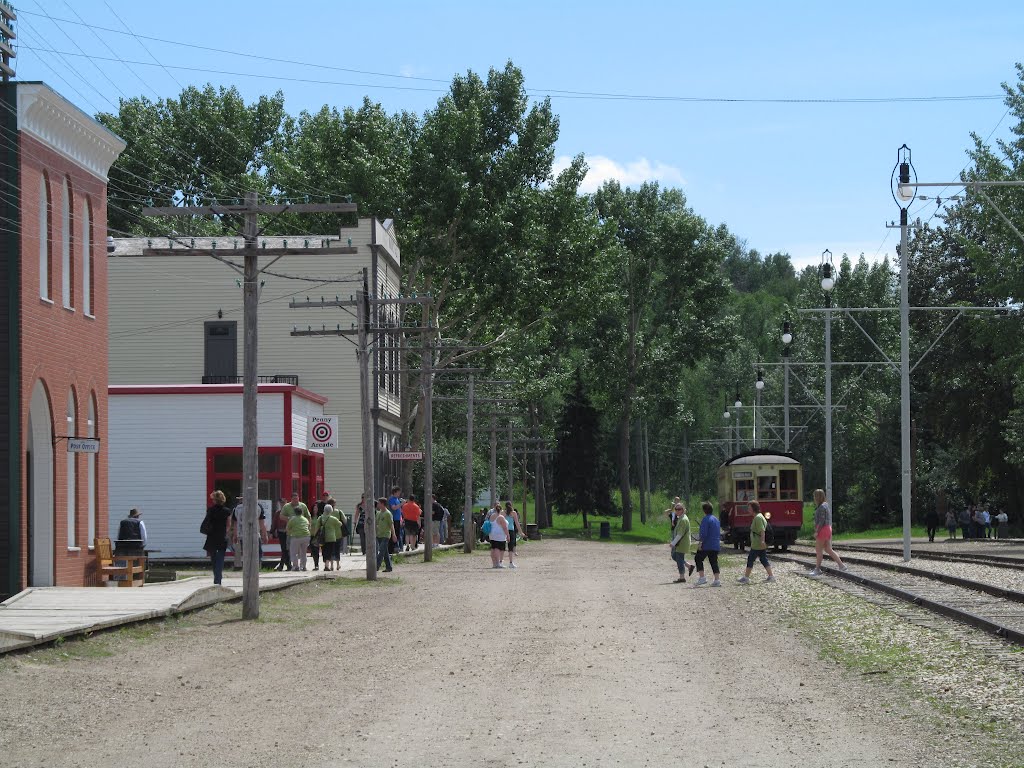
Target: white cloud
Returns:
[[631, 174]]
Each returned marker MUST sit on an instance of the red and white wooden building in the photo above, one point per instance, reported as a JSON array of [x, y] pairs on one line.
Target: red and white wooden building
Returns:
[[170, 446]]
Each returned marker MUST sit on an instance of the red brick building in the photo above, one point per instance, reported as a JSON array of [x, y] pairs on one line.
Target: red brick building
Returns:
[[53, 337]]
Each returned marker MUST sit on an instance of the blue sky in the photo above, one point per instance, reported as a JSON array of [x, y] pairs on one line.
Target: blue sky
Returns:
[[789, 177]]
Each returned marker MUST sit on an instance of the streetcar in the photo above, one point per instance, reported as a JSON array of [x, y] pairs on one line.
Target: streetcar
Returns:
[[775, 480]]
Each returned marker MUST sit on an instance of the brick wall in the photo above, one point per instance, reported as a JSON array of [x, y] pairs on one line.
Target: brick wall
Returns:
[[63, 348]]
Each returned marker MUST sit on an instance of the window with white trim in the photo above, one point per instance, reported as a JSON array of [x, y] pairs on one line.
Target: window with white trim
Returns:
[[87, 265], [66, 254], [72, 474], [44, 238], [90, 431]]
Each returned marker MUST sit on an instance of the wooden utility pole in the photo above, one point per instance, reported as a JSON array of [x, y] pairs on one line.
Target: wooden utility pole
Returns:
[[250, 212], [366, 421], [363, 351], [427, 385], [468, 537], [494, 460]]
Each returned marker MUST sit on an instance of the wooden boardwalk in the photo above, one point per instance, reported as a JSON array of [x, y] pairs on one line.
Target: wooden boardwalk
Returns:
[[40, 615]]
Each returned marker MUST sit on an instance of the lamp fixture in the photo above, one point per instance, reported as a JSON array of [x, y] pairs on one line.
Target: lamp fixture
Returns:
[[903, 189], [759, 384], [787, 333], [827, 270]]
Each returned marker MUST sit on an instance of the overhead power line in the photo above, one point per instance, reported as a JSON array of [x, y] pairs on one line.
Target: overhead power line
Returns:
[[554, 93]]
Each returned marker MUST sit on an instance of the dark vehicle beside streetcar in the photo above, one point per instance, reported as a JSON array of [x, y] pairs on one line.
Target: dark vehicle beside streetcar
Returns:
[[775, 480]]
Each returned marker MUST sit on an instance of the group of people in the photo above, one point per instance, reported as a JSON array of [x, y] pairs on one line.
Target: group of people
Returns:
[[975, 522], [408, 519], [502, 527], [709, 541], [300, 533]]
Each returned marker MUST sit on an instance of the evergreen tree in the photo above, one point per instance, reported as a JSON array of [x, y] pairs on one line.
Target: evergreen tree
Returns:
[[581, 474]]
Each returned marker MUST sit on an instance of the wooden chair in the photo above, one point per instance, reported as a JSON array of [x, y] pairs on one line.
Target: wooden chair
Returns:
[[126, 570]]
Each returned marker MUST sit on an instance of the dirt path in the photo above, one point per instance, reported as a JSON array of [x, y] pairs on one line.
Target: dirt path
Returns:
[[585, 656]]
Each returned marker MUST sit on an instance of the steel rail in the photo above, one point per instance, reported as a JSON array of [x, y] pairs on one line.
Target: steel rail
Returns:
[[957, 581], [996, 561], [957, 614]]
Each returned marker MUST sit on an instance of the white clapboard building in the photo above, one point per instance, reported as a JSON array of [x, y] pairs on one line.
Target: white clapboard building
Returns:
[[176, 319], [173, 445]]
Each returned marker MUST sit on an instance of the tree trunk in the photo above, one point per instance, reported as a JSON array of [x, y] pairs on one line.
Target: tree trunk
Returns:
[[641, 470], [627, 502]]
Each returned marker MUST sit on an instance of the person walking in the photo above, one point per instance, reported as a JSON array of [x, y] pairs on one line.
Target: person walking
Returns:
[[328, 527], [236, 532], [412, 516], [758, 544], [984, 522], [437, 516], [395, 502], [1002, 525], [215, 526], [280, 526], [361, 523], [679, 547], [823, 533], [951, 523], [386, 534], [710, 537], [298, 540], [514, 527], [497, 535], [931, 522], [344, 539], [966, 516]]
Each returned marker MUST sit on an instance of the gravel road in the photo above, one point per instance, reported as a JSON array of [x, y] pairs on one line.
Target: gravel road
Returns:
[[587, 655]]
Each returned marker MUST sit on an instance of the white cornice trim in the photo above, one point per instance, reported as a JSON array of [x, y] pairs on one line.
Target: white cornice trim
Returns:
[[55, 121]]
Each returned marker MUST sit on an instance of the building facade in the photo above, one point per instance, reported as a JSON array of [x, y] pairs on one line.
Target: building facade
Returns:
[[176, 318], [53, 337], [171, 446]]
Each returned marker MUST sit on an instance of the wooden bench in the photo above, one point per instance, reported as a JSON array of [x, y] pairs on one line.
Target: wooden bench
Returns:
[[126, 570]]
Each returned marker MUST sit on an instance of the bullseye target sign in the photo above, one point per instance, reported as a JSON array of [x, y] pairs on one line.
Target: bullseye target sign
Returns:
[[323, 432]]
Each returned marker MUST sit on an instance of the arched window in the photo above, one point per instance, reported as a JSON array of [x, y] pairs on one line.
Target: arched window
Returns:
[[72, 473], [90, 431], [44, 237], [88, 297], [66, 250]]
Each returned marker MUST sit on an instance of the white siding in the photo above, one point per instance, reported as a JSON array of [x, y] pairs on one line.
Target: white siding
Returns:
[[157, 452], [302, 410], [158, 306]]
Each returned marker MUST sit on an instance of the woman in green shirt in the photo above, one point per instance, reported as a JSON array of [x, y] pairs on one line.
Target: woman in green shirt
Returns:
[[298, 540], [680, 545], [328, 527], [758, 544]]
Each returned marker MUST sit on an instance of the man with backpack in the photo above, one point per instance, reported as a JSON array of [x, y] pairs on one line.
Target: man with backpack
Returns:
[[758, 544]]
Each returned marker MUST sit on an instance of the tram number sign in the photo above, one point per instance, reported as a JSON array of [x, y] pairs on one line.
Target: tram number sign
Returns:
[[405, 455], [323, 432]]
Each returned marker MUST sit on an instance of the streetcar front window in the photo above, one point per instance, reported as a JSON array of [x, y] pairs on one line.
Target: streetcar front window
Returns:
[[788, 488], [766, 487]]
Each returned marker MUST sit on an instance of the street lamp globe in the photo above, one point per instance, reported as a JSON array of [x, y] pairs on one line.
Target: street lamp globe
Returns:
[[827, 280], [787, 334], [759, 384]]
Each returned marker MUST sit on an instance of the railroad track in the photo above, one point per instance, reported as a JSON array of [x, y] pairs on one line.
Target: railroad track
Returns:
[[988, 607], [996, 561]]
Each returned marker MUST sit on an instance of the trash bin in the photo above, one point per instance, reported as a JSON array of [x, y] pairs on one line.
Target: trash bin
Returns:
[[532, 531], [606, 529]]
